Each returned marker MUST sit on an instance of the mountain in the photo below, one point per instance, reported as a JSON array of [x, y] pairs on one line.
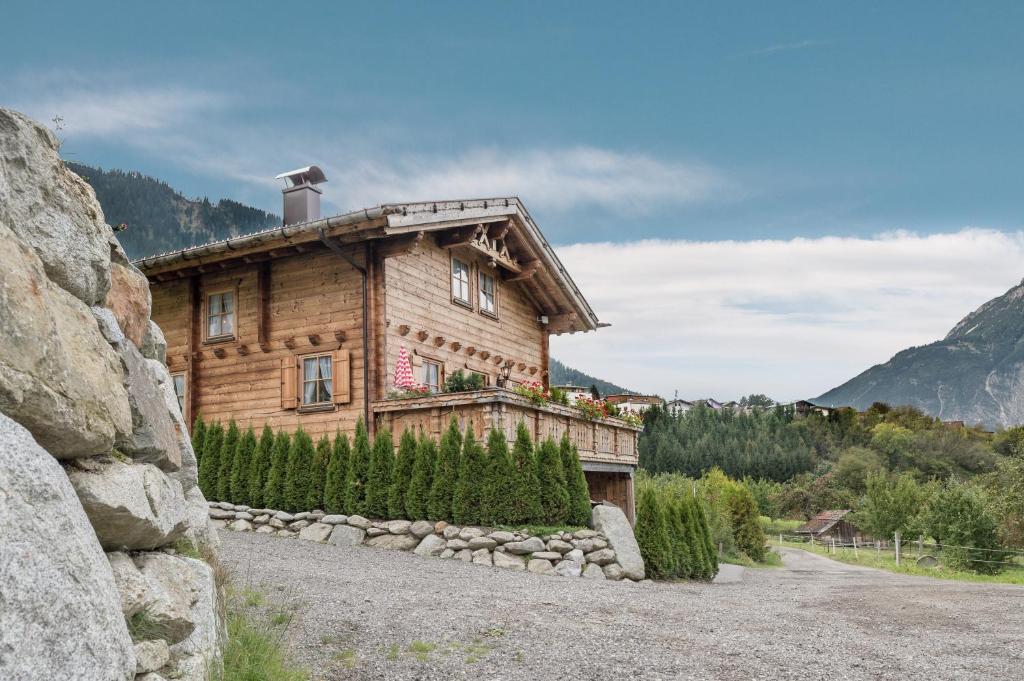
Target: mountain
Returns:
[[159, 219], [563, 375], [975, 374]]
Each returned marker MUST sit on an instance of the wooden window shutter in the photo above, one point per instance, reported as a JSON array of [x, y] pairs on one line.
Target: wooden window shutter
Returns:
[[341, 380], [289, 374]]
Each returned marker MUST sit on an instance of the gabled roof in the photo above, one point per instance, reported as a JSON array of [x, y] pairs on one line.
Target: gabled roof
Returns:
[[823, 522], [550, 286]]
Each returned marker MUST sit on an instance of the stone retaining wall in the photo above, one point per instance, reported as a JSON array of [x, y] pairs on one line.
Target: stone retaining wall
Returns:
[[584, 553]]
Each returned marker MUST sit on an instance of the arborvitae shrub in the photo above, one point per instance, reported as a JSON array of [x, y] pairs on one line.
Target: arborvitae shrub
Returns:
[[526, 497], [682, 562], [575, 484], [198, 437], [418, 498], [467, 500], [299, 472], [705, 532], [358, 472], [703, 561], [746, 523], [239, 482], [318, 474], [499, 483], [554, 499], [382, 461], [402, 477], [334, 485], [209, 467], [652, 534], [445, 473], [273, 492], [259, 467], [226, 458]]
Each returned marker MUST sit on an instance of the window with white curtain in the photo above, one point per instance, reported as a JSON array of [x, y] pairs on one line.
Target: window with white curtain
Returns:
[[316, 380], [460, 282], [488, 299], [220, 314]]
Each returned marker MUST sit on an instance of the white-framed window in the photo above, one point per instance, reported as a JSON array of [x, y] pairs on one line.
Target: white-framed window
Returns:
[[488, 294], [317, 380], [220, 314], [460, 282], [179, 390], [432, 375]]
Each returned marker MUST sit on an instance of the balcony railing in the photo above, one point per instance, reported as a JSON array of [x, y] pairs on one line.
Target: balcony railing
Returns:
[[604, 440]]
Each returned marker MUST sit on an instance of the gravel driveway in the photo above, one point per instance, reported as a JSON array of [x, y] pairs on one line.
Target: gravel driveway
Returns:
[[364, 613]]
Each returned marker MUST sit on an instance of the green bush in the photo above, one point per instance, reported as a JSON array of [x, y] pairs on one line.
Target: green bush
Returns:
[[445, 473], [382, 461], [958, 518], [224, 460], [273, 493], [575, 484], [746, 523], [418, 498], [318, 474], [498, 506], [259, 467], [526, 488], [652, 534], [299, 473], [198, 438], [554, 499], [461, 382], [239, 477], [209, 467], [334, 485], [467, 500], [358, 472], [402, 477]]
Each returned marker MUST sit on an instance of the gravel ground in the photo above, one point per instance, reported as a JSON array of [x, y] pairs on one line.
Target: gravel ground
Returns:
[[363, 613]]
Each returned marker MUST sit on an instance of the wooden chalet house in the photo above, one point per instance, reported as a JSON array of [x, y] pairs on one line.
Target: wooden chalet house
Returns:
[[304, 324]]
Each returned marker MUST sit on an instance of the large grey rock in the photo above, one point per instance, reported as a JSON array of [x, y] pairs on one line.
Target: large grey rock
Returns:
[[569, 568], [198, 528], [188, 471], [52, 210], [346, 535], [130, 300], [467, 533], [482, 557], [131, 506], [601, 557], [58, 376], [221, 514], [611, 522], [531, 545], [465, 555], [399, 526], [431, 545], [376, 532], [240, 526], [613, 571], [358, 521], [451, 532], [169, 595], [593, 571], [131, 585], [318, 532], [481, 543], [151, 656], [508, 561], [198, 655], [457, 544], [547, 555], [421, 528], [536, 565], [560, 546], [154, 346], [575, 555], [502, 537], [401, 542], [334, 519], [60, 611]]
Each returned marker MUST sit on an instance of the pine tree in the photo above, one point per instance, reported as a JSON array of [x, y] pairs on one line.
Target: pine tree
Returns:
[[334, 486], [445, 473], [382, 461], [652, 534], [467, 499], [273, 493], [575, 484], [554, 499], [499, 482], [244, 452], [526, 497], [299, 471], [418, 498], [318, 474], [402, 478], [259, 467], [225, 459], [198, 438], [210, 465], [358, 472]]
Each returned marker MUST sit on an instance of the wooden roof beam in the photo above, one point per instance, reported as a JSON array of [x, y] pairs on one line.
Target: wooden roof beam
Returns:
[[460, 236]]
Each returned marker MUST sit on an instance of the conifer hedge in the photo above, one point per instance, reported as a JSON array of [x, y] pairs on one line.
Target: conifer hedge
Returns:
[[198, 437], [224, 460], [526, 488], [238, 483], [418, 498], [672, 531], [318, 476], [273, 493], [575, 483], [402, 477], [209, 467], [358, 472], [446, 473], [334, 485], [378, 484], [299, 472], [467, 499], [498, 505], [554, 499], [259, 468]]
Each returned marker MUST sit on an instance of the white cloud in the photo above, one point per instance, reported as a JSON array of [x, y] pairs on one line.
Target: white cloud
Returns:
[[788, 318]]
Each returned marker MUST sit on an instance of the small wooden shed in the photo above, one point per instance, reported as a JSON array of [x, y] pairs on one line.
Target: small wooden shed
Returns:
[[829, 525]]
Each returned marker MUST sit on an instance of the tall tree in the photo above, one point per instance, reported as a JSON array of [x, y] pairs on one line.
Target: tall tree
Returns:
[[209, 467], [554, 499], [418, 498], [445, 473], [402, 478], [382, 461], [575, 483], [298, 475], [652, 534], [318, 473], [891, 504], [273, 493], [226, 458], [259, 468], [358, 472], [467, 500], [527, 489], [499, 482], [334, 486], [244, 452], [682, 561]]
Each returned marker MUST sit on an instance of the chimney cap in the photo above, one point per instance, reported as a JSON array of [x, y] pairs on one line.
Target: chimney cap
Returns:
[[300, 176]]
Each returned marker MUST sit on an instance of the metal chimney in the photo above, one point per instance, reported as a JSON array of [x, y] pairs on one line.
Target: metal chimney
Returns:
[[301, 197]]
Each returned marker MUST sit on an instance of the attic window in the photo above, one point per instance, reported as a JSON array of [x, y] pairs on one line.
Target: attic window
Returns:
[[220, 315], [460, 282]]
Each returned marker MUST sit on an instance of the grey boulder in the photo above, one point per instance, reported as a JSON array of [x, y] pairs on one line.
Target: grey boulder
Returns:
[[430, 545], [401, 542], [509, 562], [531, 545], [318, 532], [611, 522]]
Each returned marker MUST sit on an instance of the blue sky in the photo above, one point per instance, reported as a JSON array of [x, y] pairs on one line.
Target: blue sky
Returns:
[[615, 122]]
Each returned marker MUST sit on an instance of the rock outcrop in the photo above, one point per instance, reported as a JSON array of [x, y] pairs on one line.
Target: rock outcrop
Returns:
[[94, 453]]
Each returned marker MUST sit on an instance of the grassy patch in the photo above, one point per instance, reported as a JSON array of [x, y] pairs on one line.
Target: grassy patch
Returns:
[[143, 627], [779, 525], [392, 654], [185, 547], [885, 560], [348, 657], [256, 653], [422, 650]]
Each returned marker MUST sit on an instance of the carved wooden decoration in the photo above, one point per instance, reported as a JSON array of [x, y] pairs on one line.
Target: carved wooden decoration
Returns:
[[439, 341], [404, 329], [471, 351], [422, 335], [314, 339], [484, 355], [499, 359], [339, 336], [243, 350], [533, 370], [290, 343], [219, 353], [521, 366], [490, 240], [455, 346]]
